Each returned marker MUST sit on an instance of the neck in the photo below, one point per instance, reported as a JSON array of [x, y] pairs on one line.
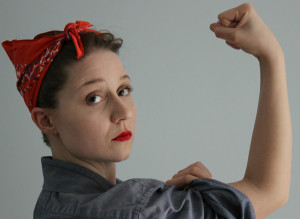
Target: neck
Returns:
[[103, 168]]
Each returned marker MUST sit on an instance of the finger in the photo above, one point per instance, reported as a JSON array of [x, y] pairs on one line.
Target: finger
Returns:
[[233, 46], [235, 15], [198, 163], [181, 181], [198, 170], [197, 166], [229, 34], [195, 171], [213, 26]]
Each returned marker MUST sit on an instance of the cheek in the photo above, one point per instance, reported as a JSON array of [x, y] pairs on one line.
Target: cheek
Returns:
[[135, 115], [82, 133], [134, 110]]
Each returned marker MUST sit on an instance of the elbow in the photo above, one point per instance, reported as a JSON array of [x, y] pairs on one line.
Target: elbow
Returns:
[[268, 198], [283, 196], [271, 204], [279, 200], [283, 200]]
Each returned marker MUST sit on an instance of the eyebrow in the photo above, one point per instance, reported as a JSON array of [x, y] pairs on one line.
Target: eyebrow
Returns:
[[97, 80]]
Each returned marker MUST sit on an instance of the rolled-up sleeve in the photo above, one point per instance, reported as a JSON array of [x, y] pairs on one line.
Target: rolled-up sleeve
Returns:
[[205, 198]]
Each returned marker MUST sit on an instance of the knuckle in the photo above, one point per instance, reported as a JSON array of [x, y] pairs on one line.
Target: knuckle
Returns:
[[186, 178], [220, 16], [199, 164], [234, 38], [194, 170], [248, 6], [218, 33], [208, 175]]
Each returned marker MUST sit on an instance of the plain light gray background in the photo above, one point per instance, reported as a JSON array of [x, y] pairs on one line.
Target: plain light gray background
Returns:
[[196, 97]]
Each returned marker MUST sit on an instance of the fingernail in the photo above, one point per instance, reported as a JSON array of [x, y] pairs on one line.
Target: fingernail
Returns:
[[212, 27]]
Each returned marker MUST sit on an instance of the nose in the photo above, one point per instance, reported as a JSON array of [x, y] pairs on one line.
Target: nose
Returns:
[[121, 109]]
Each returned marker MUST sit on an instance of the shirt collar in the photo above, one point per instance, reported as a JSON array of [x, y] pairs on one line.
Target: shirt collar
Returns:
[[66, 177]]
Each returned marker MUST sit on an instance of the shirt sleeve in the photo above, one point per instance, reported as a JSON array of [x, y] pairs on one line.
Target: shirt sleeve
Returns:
[[204, 199]]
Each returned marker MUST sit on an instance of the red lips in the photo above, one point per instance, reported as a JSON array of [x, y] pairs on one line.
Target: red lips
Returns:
[[124, 136]]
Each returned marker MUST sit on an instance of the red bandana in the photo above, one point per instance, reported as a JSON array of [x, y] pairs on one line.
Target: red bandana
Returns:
[[32, 58]]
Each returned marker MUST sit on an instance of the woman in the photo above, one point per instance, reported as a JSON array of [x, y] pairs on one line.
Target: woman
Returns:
[[78, 94]]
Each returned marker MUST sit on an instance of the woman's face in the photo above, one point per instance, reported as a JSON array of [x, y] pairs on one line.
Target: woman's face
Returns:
[[94, 107]]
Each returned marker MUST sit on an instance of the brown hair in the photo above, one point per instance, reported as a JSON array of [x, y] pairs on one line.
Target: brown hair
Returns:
[[56, 75]]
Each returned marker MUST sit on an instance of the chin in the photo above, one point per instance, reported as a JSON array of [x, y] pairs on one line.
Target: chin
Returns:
[[123, 156]]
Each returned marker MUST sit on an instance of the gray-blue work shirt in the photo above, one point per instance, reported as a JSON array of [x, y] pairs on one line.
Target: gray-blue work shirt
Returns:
[[72, 191]]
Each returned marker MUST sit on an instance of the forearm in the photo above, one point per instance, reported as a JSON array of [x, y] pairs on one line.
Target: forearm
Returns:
[[269, 163], [267, 177]]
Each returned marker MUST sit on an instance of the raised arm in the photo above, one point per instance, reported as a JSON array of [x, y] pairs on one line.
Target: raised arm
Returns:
[[267, 177]]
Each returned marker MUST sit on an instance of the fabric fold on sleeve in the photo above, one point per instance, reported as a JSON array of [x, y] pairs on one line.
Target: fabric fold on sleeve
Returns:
[[205, 198]]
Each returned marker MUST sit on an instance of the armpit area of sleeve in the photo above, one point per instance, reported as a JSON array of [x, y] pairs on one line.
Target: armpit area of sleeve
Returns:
[[205, 198], [223, 199]]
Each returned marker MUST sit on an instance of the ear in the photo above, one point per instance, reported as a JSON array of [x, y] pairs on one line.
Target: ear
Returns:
[[44, 120]]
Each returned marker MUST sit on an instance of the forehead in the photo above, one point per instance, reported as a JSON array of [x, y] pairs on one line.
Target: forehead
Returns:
[[102, 64]]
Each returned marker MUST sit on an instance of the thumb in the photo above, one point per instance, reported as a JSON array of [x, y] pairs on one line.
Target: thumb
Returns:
[[226, 33]]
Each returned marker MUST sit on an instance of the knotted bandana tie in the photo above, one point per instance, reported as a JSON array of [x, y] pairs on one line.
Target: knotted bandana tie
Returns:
[[32, 58]]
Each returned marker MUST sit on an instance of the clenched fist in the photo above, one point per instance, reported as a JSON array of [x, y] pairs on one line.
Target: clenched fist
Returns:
[[242, 28]]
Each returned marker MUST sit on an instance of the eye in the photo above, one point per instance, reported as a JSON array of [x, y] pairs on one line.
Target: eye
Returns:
[[126, 91], [93, 98]]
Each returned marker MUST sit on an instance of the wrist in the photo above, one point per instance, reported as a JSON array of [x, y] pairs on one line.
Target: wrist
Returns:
[[272, 55], [272, 65]]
